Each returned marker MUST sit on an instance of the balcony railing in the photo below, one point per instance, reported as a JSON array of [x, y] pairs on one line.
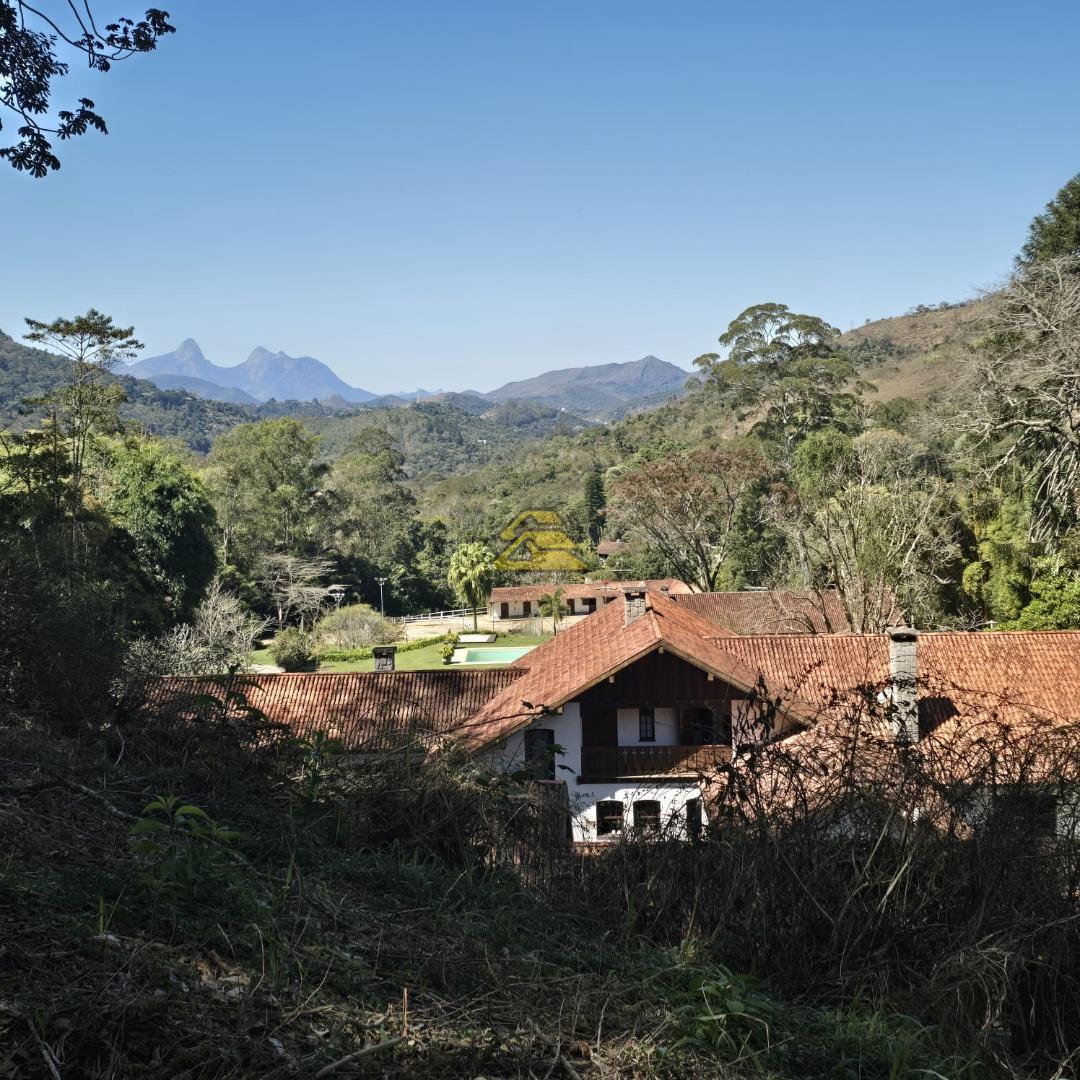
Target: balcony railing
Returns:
[[618, 762]]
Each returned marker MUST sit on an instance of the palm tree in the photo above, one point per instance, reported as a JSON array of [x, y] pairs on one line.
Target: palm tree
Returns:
[[551, 605], [471, 575]]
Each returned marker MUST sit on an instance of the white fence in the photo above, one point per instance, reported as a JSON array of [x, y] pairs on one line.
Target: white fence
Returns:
[[433, 616]]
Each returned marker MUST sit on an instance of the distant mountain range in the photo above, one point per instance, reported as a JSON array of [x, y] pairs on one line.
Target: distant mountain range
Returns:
[[603, 390], [262, 376]]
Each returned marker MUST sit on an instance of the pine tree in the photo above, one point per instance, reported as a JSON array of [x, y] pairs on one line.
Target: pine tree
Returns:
[[1056, 231], [595, 501]]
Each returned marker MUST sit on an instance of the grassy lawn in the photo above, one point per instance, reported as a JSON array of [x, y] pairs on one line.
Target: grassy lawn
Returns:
[[424, 659], [428, 658]]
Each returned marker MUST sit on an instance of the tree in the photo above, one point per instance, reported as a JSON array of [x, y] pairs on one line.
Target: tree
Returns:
[[29, 64], [166, 510], [218, 639], [266, 482], [372, 519], [595, 501], [685, 507], [92, 345], [552, 606], [292, 586], [1055, 233], [865, 518], [997, 579], [472, 574], [1018, 395], [781, 370]]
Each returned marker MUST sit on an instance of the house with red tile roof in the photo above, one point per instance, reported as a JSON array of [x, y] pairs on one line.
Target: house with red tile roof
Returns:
[[638, 708], [510, 602]]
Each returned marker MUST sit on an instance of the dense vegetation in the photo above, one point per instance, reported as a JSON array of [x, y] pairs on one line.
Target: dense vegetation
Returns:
[[209, 896]]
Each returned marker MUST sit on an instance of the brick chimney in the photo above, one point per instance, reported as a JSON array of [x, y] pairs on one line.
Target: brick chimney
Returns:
[[635, 605], [903, 691]]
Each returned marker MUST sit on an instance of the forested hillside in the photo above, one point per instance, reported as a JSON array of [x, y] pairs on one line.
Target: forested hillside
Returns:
[[174, 414]]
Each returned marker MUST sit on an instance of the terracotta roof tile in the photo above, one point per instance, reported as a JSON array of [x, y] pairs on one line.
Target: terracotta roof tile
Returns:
[[1023, 672], [773, 611], [361, 709], [567, 665]]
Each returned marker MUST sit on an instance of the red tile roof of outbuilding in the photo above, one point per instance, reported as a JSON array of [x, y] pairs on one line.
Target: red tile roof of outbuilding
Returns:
[[359, 708], [771, 611]]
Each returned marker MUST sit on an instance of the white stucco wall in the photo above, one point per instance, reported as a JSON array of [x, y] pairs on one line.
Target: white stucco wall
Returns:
[[667, 728], [672, 795]]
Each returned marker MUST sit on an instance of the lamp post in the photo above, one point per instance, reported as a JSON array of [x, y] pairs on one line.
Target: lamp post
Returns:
[[382, 581]]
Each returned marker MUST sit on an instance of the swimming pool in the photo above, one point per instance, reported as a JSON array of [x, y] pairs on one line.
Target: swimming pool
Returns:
[[495, 656]]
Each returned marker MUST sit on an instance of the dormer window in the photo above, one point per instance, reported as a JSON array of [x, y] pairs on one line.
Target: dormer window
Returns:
[[646, 725]]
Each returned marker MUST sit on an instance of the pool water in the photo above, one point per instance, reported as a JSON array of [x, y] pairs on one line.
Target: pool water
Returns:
[[496, 655]]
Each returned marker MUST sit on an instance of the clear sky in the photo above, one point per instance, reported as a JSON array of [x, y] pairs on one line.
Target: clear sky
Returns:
[[457, 194]]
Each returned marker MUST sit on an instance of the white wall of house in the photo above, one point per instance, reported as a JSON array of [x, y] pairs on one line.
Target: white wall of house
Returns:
[[672, 795], [516, 608], [666, 725]]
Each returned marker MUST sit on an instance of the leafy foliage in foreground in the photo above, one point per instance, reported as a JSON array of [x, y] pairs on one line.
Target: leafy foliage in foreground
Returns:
[[216, 901]]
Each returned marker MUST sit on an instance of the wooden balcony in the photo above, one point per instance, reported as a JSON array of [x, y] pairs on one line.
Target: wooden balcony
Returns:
[[636, 762]]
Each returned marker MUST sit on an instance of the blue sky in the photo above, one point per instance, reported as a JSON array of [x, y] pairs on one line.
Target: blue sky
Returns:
[[460, 194]]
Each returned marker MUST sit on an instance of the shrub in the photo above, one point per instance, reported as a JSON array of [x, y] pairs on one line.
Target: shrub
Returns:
[[347, 656], [355, 627], [447, 652], [292, 650]]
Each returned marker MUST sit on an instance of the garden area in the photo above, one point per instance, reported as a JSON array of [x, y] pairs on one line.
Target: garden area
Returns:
[[422, 655]]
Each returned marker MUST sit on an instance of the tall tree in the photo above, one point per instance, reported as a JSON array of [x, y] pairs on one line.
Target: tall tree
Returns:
[[164, 507], [595, 502], [92, 346], [781, 372], [472, 573], [865, 518], [1019, 392], [1056, 231], [293, 587], [685, 507], [29, 64], [372, 520], [266, 480]]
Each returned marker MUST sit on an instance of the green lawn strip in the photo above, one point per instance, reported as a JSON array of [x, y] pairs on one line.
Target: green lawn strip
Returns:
[[430, 658]]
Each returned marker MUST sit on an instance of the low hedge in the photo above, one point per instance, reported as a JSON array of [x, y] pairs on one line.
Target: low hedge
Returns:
[[347, 656]]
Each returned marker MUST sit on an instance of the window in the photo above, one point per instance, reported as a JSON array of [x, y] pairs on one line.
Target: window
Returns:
[[609, 818], [693, 818], [526, 608], [540, 753], [647, 816], [646, 725], [705, 726]]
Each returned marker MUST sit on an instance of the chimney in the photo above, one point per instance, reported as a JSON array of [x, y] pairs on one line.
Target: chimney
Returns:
[[384, 657], [635, 605], [903, 691]]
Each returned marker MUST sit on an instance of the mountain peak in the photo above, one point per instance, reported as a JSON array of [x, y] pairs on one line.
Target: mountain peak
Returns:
[[188, 349]]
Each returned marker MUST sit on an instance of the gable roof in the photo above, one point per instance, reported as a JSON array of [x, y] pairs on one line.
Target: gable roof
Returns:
[[772, 611], [599, 646], [581, 590], [1015, 673], [362, 709]]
